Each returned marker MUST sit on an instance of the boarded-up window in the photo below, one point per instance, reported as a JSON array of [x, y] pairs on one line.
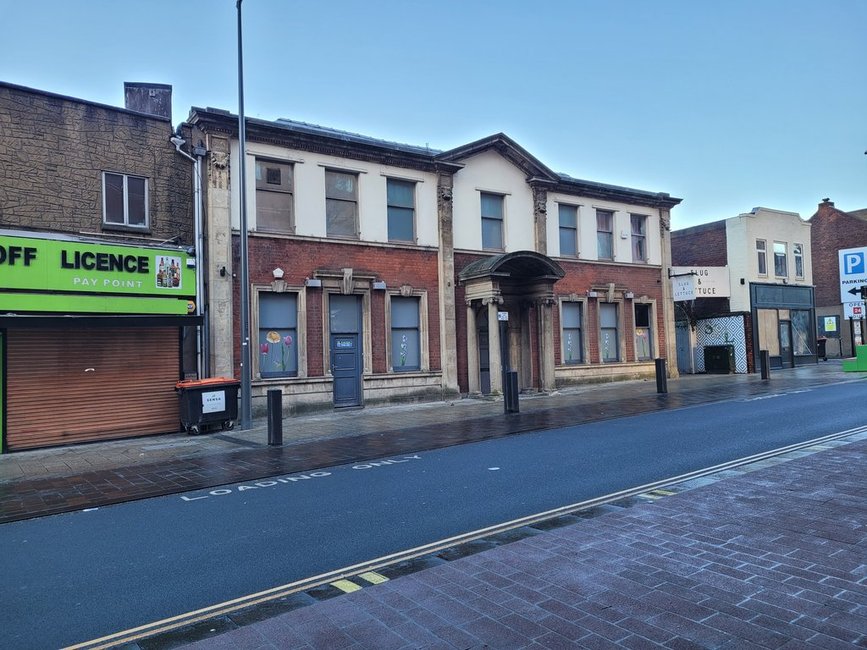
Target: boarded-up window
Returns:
[[769, 331]]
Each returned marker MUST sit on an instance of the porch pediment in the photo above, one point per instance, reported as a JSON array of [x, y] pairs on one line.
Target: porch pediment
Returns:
[[520, 266]]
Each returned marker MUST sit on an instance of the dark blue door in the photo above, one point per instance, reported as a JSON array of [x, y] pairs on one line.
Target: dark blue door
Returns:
[[345, 348], [345, 368]]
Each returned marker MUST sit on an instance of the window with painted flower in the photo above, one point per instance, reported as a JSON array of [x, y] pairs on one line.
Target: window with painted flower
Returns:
[[609, 335], [278, 335], [573, 349], [405, 335]]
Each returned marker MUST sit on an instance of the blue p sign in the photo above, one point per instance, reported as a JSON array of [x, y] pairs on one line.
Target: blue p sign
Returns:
[[853, 263]]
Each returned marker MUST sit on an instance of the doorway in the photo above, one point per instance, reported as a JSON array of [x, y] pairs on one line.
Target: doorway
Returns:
[[786, 358], [345, 349], [484, 356]]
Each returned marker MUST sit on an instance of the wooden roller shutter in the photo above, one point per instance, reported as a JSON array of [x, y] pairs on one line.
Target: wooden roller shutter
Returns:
[[66, 386]]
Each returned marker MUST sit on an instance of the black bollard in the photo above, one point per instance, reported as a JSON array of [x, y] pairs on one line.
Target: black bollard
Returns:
[[510, 392], [661, 377], [765, 358], [275, 417]]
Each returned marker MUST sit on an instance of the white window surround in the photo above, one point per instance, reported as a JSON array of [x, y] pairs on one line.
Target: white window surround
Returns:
[[400, 177], [606, 234], [570, 231], [280, 190], [640, 252], [341, 169], [274, 155], [491, 223], [397, 213], [343, 201]]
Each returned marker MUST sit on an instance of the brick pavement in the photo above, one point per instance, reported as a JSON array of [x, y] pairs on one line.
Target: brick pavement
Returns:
[[772, 558], [51, 481]]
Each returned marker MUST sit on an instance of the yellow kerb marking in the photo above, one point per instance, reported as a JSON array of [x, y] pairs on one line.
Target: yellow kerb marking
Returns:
[[373, 578], [346, 586]]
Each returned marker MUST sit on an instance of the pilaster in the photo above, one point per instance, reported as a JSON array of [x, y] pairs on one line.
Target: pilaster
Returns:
[[667, 298], [219, 267], [446, 271], [547, 378], [540, 218]]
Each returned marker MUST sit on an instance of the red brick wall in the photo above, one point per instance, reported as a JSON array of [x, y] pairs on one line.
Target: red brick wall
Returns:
[[832, 230], [704, 245], [300, 258], [640, 281], [580, 276]]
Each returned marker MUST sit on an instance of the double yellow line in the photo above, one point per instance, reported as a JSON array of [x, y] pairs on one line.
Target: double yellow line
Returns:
[[340, 578]]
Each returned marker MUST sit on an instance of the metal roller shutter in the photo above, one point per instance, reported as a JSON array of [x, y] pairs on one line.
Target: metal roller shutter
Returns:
[[66, 386]]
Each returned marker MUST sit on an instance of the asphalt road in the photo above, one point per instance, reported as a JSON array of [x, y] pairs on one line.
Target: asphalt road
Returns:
[[78, 576]]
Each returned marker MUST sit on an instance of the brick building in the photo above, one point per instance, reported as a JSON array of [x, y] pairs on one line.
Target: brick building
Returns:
[[96, 234], [382, 271], [834, 230], [768, 303]]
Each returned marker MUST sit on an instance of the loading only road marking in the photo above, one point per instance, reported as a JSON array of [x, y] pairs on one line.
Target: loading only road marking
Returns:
[[185, 620], [294, 478]]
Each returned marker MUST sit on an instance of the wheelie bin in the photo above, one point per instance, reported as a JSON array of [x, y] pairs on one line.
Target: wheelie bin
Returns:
[[208, 402]]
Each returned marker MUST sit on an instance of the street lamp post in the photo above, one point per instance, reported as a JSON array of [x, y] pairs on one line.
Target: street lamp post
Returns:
[[244, 270]]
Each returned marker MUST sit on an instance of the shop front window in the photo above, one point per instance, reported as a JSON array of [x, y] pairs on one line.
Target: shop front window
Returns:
[[801, 334]]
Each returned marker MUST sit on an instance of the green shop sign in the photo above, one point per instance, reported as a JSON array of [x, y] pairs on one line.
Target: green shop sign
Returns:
[[52, 275]]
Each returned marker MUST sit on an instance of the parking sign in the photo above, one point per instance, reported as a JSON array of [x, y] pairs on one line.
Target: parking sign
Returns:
[[853, 273]]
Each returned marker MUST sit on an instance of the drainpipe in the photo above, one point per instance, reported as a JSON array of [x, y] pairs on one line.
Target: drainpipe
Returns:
[[202, 351]]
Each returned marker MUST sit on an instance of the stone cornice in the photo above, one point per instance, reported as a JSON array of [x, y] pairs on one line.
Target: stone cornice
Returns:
[[282, 135]]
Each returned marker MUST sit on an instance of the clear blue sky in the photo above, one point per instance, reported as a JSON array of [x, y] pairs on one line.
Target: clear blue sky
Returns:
[[728, 105]]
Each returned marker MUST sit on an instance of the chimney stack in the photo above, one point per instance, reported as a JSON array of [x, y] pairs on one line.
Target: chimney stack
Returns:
[[825, 207], [153, 99]]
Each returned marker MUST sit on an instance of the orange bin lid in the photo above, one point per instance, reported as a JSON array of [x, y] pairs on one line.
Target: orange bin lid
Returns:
[[210, 381]]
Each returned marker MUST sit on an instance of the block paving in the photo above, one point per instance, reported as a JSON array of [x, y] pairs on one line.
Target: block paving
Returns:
[[770, 557]]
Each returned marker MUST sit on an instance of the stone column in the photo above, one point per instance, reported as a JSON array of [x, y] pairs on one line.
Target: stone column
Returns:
[[547, 378], [495, 364], [667, 299], [446, 272], [474, 385], [525, 348]]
